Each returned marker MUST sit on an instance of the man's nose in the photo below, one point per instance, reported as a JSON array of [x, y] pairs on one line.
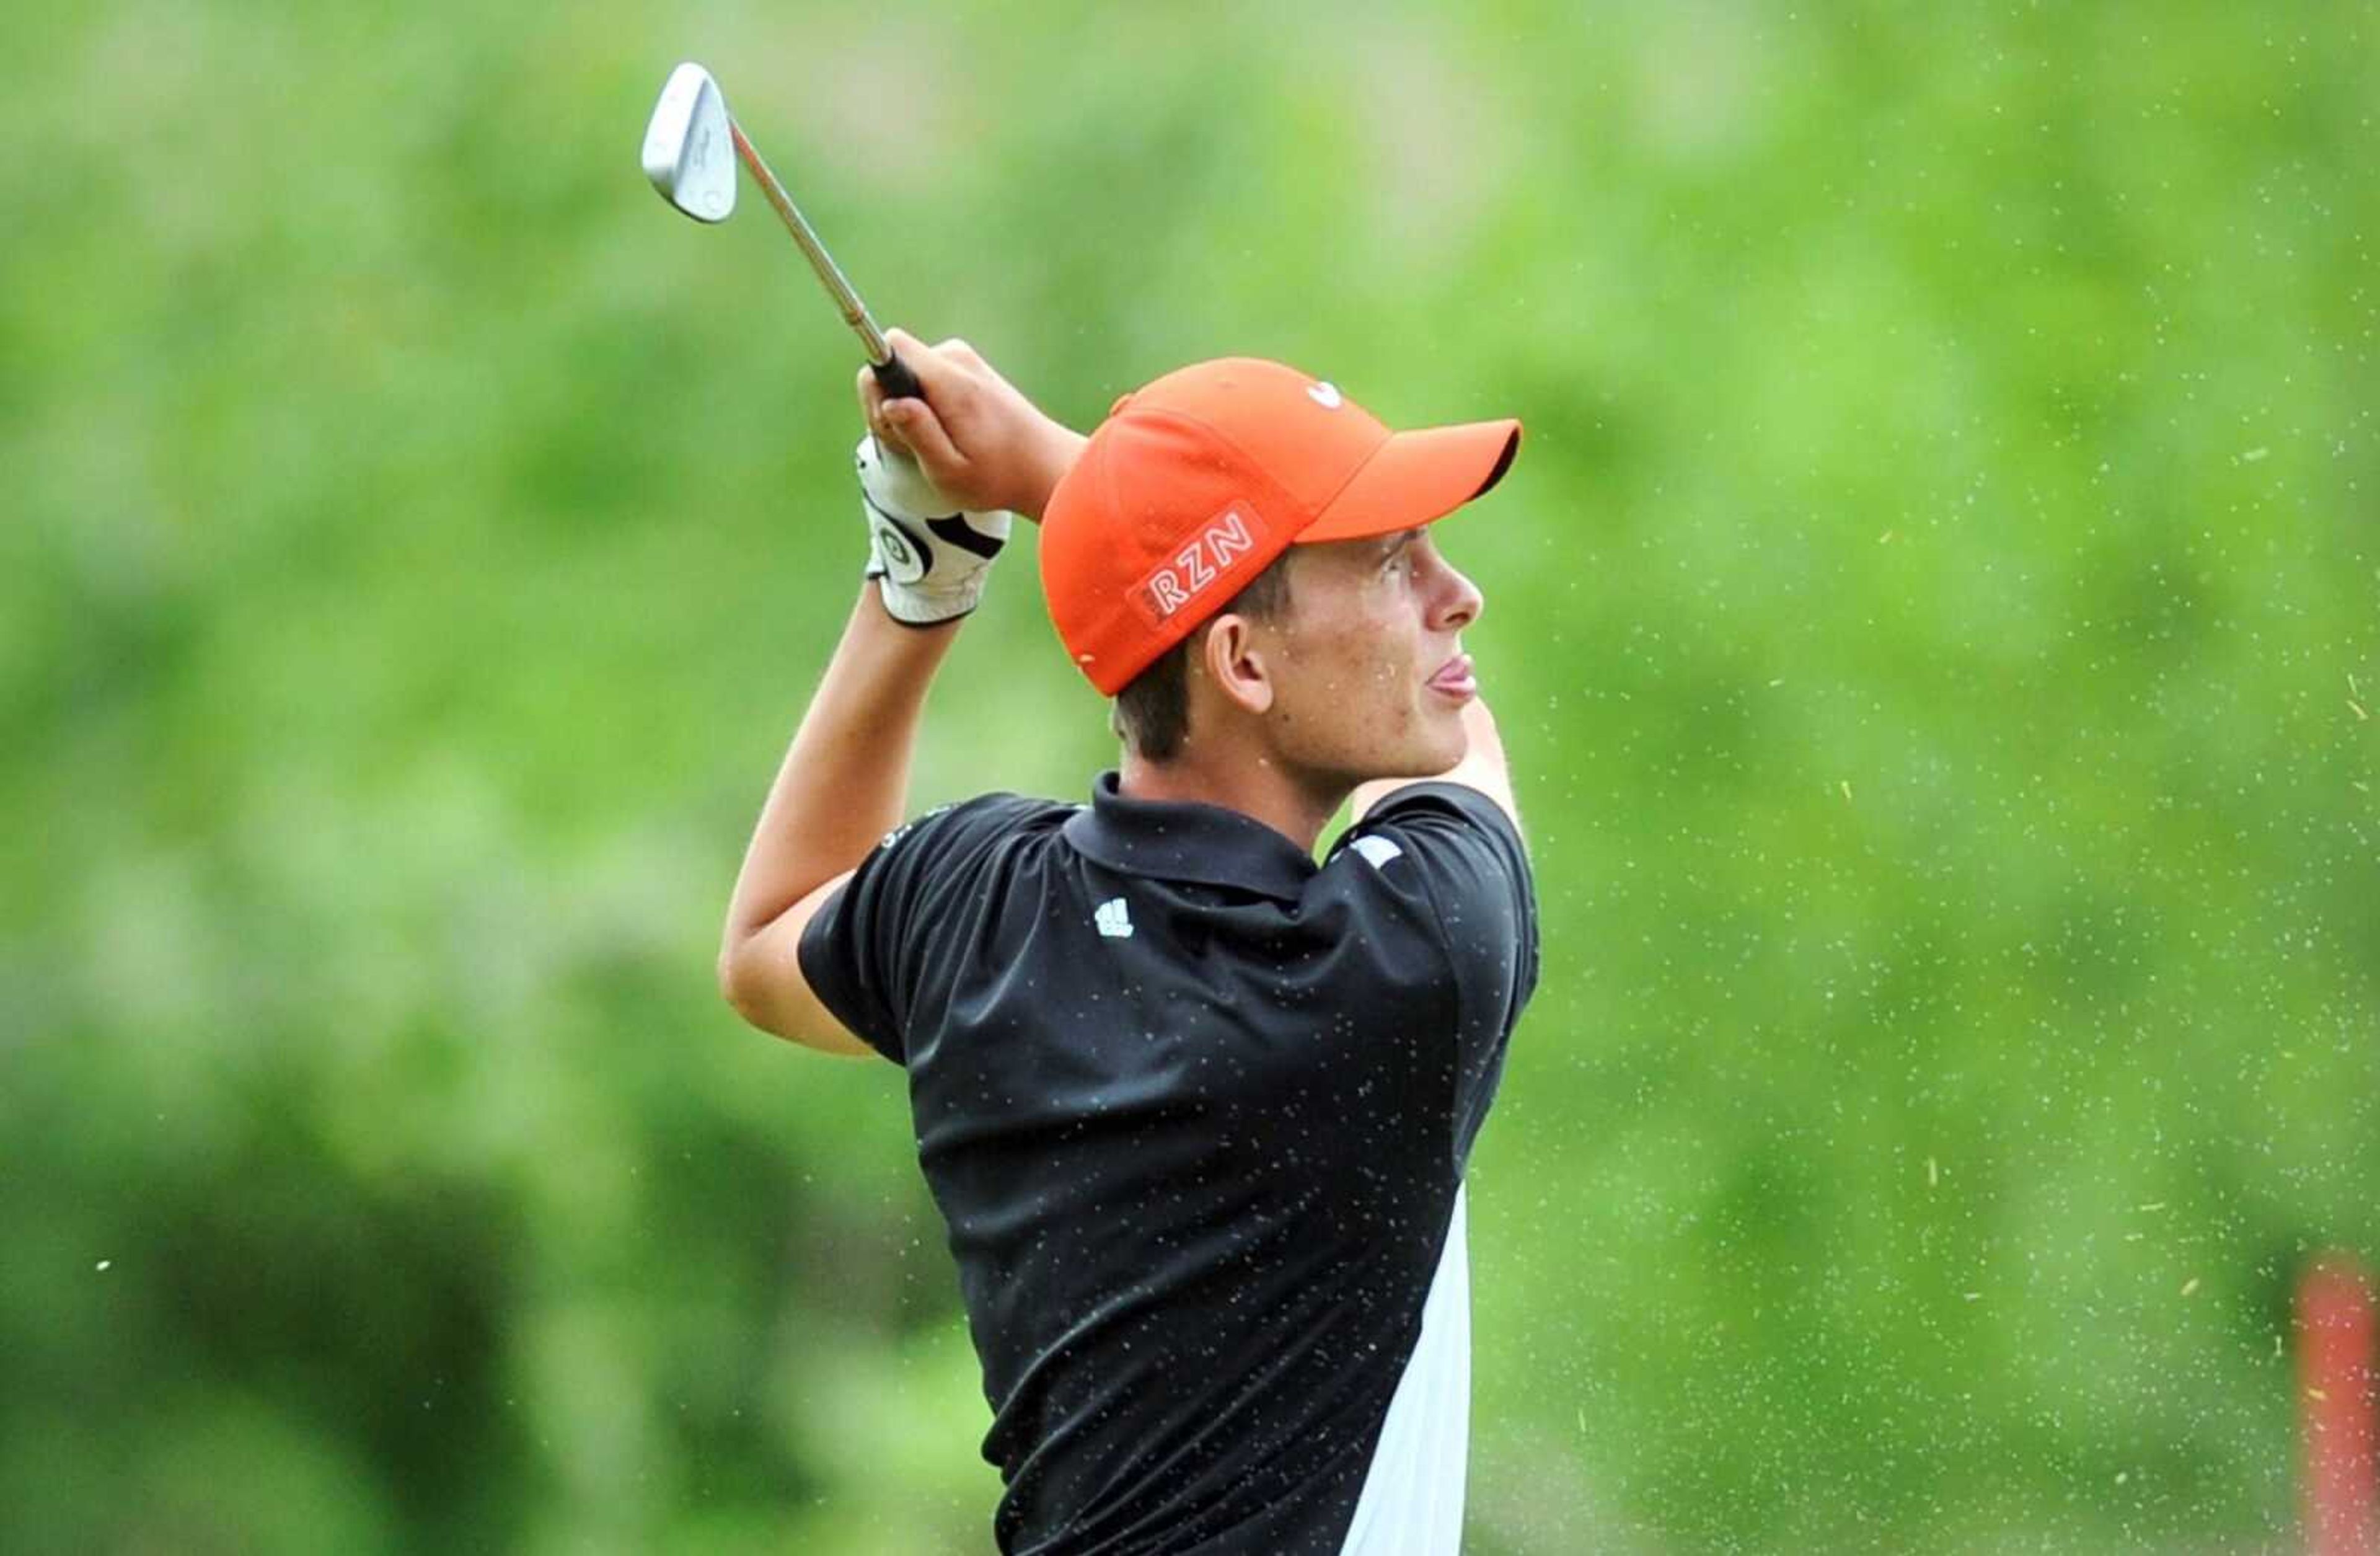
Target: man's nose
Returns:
[[1459, 601]]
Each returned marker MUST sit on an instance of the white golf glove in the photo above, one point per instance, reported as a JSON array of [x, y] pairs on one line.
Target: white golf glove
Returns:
[[928, 561]]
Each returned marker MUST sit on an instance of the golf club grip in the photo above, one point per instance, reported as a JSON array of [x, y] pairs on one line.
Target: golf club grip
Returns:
[[893, 375]]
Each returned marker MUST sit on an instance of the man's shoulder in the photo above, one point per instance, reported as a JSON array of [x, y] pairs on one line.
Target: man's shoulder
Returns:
[[1442, 863], [968, 824], [1430, 819]]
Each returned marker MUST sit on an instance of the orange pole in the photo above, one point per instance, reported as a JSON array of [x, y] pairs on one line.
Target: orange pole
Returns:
[[2335, 1388]]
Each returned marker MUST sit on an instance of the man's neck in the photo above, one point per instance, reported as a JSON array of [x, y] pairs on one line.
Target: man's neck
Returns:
[[1248, 783]]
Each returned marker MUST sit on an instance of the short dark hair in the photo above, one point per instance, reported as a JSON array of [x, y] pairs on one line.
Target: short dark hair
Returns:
[[1152, 713]]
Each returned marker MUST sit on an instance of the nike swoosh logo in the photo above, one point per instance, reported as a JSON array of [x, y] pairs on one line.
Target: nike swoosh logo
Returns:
[[955, 530]]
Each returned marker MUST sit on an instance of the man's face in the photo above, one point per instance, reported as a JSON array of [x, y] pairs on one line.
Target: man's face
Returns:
[[1368, 674]]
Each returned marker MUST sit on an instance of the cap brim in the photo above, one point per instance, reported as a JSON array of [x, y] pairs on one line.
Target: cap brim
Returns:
[[1417, 477]]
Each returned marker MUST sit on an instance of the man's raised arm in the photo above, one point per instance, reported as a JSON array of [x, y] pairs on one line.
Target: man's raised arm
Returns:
[[845, 782]]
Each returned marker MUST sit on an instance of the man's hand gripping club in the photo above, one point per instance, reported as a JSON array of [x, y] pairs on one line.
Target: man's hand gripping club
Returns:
[[978, 442], [938, 477]]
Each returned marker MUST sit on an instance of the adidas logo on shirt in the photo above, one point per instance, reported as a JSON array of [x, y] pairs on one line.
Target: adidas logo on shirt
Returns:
[[1114, 919]]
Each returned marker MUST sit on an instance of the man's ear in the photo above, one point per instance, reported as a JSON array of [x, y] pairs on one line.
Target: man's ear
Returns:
[[1236, 665]]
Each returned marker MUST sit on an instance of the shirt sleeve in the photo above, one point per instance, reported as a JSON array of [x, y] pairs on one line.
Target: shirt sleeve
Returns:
[[862, 952], [1458, 856]]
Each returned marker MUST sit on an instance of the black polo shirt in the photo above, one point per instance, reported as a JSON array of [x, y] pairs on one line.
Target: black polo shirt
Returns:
[[1196, 1111]]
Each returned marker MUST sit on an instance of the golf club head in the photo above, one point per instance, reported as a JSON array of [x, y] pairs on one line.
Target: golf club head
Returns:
[[689, 154]]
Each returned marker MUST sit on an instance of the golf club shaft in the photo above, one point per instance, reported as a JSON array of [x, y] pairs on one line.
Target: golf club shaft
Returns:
[[890, 370]]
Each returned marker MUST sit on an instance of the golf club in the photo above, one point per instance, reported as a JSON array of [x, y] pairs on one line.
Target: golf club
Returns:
[[687, 154]]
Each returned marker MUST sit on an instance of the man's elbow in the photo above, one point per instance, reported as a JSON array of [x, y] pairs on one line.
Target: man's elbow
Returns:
[[737, 985]]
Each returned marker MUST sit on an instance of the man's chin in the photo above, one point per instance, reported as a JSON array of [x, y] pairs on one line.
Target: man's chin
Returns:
[[1454, 742], [1431, 748], [1437, 759]]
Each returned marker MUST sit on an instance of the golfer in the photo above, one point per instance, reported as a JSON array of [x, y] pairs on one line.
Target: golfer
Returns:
[[1194, 1108]]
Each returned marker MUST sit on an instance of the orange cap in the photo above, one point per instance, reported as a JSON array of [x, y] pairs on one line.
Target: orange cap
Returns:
[[1194, 485]]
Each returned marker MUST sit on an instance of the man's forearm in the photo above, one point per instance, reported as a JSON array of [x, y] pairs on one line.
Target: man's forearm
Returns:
[[846, 780]]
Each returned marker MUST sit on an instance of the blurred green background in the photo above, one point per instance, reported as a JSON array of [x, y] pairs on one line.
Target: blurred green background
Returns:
[[1934, 620]]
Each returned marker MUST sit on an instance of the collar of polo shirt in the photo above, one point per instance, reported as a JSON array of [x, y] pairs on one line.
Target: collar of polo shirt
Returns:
[[1185, 841]]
